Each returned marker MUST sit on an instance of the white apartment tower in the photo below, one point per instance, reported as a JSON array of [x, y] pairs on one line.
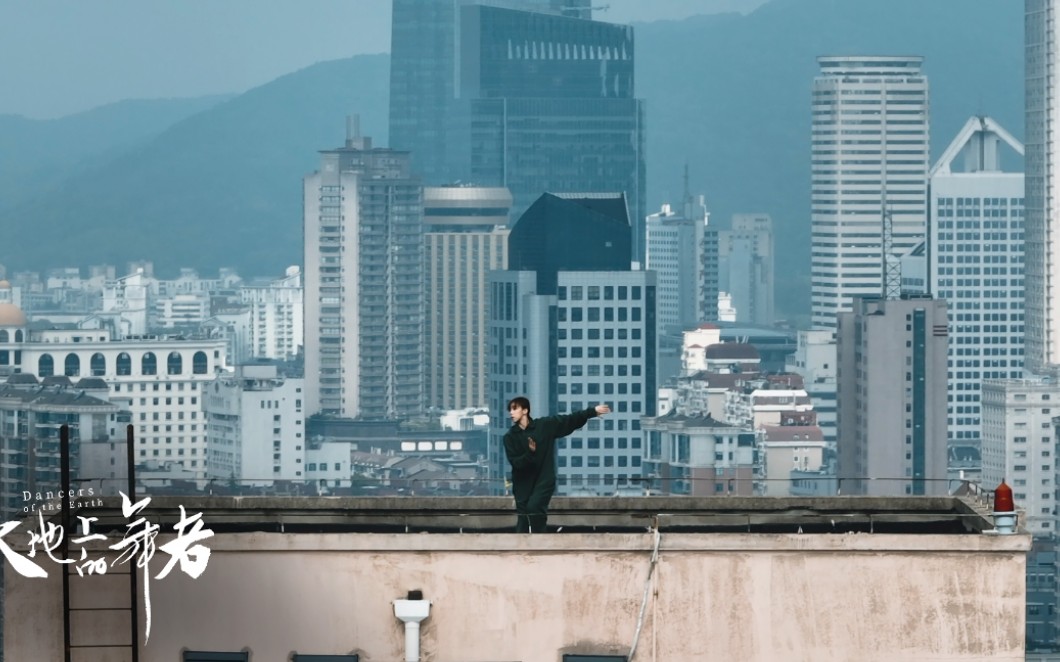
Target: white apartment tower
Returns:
[[465, 237], [363, 283], [682, 250], [745, 256], [976, 254], [869, 161], [276, 316], [1019, 445], [1042, 247]]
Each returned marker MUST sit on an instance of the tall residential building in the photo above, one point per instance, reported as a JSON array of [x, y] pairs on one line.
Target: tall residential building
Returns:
[[572, 326], [976, 254], [465, 237], [363, 283], [891, 396], [745, 259], [532, 95], [1019, 446], [276, 316], [869, 164], [1042, 246], [682, 250]]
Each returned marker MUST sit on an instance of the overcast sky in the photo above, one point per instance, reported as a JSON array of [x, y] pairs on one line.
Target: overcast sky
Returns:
[[59, 57]]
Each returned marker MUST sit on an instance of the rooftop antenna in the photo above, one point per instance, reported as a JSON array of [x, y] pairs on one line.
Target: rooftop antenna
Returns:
[[686, 201], [891, 267]]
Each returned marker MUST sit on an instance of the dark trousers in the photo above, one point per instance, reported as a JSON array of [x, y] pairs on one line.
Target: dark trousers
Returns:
[[531, 507]]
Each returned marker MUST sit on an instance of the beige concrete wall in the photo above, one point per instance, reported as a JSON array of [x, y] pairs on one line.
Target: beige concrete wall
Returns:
[[748, 597]]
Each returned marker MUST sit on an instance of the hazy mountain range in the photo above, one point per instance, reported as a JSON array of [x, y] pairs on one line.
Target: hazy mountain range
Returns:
[[216, 181]]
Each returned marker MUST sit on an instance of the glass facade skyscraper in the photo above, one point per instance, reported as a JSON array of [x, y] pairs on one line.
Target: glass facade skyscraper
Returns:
[[571, 325], [533, 96]]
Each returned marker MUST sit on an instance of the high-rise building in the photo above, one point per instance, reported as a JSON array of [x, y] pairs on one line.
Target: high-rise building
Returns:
[[427, 111], [1042, 250], [465, 237], [745, 267], [572, 326], [976, 254], [363, 283], [276, 316], [891, 396], [1019, 445], [682, 250], [532, 95], [869, 165]]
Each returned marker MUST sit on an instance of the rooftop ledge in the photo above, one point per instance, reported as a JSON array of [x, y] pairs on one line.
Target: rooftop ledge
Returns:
[[837, 516]]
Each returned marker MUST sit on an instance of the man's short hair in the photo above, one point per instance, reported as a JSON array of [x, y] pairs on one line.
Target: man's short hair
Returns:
[[519, 402]]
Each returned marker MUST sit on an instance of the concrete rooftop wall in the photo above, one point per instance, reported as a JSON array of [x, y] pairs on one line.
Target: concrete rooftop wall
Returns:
[[748, 597]]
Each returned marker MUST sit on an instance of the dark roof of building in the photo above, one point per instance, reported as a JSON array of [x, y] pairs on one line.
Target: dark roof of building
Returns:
[[22, 378], [570, 233], [51, 396], [94, 383], [793, 433], [57, 380], [707, 421], [732, 350]]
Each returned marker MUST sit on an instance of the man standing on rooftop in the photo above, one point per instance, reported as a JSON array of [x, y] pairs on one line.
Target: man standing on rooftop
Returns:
[[530, 445]]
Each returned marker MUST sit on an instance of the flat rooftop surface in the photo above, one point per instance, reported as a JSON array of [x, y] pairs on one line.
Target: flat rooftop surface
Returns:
[[729, 514]]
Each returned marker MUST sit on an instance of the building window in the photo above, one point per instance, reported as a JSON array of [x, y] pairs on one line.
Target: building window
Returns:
[[149, 364], [97, 365], [72, 365], [45, 366], [199, 364], [174, 364], [124, 364]]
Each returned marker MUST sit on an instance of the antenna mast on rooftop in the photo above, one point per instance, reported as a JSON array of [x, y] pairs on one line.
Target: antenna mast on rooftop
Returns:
[[891, 267]]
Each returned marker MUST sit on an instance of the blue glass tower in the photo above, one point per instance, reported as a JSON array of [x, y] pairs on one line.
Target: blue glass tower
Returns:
[[531, 95]]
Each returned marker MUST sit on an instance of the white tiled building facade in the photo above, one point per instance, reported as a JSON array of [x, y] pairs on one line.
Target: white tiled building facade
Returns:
[[976, 250], [869, 157], [363, 284], [1019, 445]]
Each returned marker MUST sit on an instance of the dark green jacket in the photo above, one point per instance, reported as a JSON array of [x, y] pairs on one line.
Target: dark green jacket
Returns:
[[539, 468]]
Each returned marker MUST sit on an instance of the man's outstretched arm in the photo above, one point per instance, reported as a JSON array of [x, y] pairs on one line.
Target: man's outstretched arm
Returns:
[[574, 421]]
